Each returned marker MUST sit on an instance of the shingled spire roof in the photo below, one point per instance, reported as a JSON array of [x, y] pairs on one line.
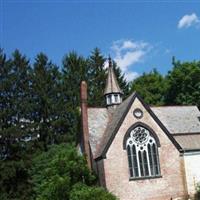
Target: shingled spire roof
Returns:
[[112, 85]]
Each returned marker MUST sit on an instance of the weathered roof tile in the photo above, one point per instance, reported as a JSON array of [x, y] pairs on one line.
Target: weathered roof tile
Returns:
[[179, 119], [97, 122]]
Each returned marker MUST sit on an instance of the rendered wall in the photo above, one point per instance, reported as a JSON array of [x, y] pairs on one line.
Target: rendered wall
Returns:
[[192, 168]]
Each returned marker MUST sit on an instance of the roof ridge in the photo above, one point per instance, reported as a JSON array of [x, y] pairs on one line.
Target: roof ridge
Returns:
[[173, 106], [117, 120]]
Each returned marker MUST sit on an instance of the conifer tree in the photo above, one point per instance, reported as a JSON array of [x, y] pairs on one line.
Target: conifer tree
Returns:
[[121, 80], [45, 99], [20, 93], [96, 78], [5, 103], [74, 70], [15, 98]]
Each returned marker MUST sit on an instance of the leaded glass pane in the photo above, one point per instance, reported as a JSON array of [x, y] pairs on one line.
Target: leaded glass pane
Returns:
[[145, 164], [135, 165], [130, 161], [142, 153], [150, 159]]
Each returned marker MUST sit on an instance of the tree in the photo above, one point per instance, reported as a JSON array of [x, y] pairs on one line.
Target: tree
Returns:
[[197, 195], [84, 192], [5, 103], [183, 84], [121, 80], [46, 100], [151, 86], [56, 171], [96, 78], [14, 102], [74, 70]]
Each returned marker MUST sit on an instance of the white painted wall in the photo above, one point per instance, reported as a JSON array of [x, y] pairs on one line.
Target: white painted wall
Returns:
[[192, 169]]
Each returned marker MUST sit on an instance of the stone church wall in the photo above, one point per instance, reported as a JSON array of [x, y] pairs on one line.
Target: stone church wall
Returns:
[[171, 184]]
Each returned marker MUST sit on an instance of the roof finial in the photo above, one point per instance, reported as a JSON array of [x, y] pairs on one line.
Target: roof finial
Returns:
[[110, 61]]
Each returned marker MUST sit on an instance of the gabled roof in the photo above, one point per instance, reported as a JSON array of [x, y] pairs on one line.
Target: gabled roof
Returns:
[[188, 142], [118, 118], [97, 122], [180, 123], [112, 85], [179, 119]]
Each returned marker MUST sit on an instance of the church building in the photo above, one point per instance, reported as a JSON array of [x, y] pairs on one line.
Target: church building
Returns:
[[141, 152]]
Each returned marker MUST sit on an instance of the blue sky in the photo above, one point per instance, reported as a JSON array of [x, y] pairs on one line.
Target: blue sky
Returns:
[[139, 35]]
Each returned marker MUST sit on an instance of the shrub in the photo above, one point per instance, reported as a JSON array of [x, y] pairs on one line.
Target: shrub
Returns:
[[84, 192], [197, 195]]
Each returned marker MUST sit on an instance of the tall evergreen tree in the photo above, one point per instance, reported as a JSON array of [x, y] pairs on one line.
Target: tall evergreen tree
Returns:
[[121, 80], [21, 93], [74, 70], [15, 98], [96, 78], [45, 99], [5, 103]]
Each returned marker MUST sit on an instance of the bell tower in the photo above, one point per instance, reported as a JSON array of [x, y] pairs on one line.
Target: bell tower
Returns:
[[113, 93]]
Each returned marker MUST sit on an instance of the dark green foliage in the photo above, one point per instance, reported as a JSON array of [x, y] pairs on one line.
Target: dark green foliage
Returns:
[[14, 180], [197, 195], [84, 192], [40, 106], [124, 86], [183, 84], [46, 101], [74, 70], [5, 102], [14, 103], [41, 100], [151, 87], [96, 78], [56, 171]]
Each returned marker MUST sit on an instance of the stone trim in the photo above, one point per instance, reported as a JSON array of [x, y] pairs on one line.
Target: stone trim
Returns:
[[152, 132], [145, 177]]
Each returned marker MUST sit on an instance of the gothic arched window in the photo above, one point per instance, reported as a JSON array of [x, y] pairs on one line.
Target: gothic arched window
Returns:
[[142, 153]]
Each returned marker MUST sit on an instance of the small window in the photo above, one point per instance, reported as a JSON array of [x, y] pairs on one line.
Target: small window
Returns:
[[142, 154], [116, 98], [109, 99]]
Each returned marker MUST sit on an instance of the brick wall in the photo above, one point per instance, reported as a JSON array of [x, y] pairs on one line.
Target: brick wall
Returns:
[[170, 185]]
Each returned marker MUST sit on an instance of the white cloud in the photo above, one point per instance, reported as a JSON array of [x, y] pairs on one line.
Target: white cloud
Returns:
[[127, 53], [189, 20], [131, 76]]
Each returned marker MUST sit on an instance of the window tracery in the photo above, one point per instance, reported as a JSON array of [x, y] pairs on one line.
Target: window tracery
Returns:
[[142, 153]]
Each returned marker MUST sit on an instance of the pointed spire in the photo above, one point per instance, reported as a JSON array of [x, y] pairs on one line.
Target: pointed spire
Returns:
[[112, 85], [112, 93]]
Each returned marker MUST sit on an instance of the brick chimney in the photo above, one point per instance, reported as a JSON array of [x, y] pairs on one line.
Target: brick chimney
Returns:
[[84, 122]]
